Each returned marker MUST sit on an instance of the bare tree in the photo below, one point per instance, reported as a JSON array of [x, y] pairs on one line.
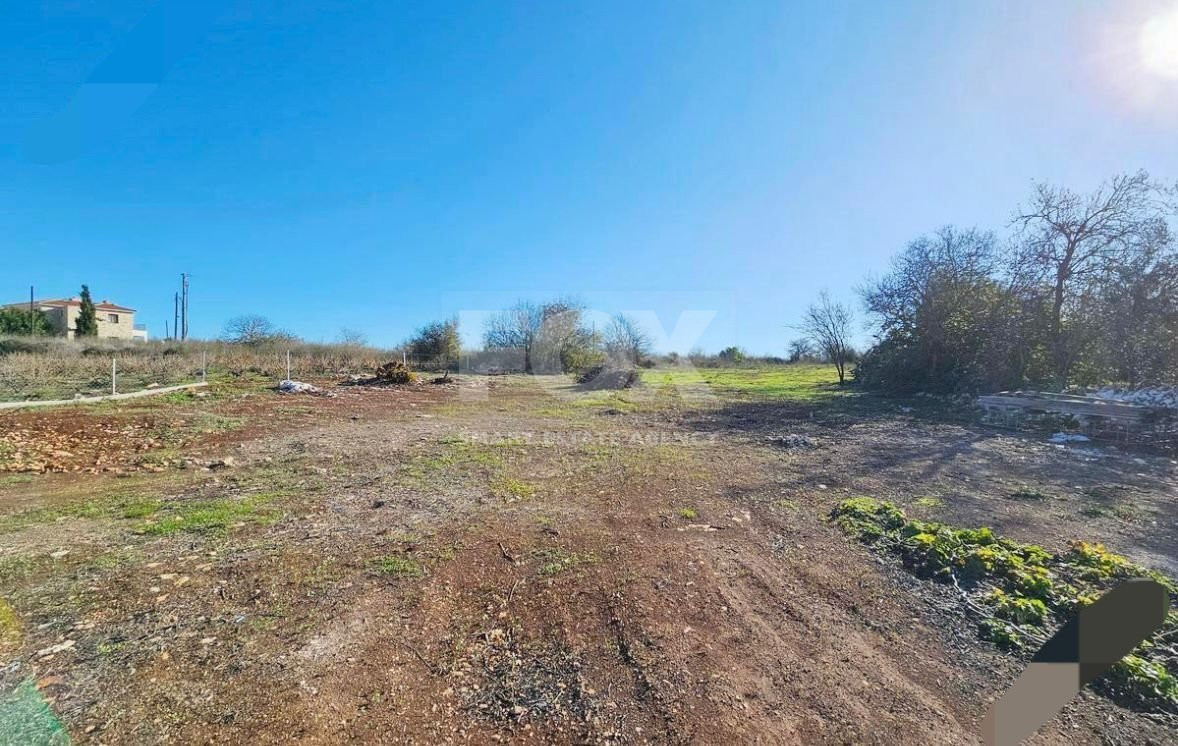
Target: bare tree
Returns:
[[626, 340], [827, 323], [253, 329], [1070, 242], [248, 329], [352, 337], [550, 335], [515, 328], [800, 349]]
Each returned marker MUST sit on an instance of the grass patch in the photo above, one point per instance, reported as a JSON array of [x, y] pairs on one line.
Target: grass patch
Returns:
[[16, 567], [123, 506], [9, 625], [604, 400], [1127, 513], [208, 422], [801, 382], [454, 454], [397, 566], [508, 488], [689, 513], [212, 516], [1024, 590], [928, 502], [140, 507], [15, 479], [556, 561], [1027, 493]]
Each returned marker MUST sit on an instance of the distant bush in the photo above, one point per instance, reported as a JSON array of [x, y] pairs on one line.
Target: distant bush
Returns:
[[395, 372], [732, 355], [15, 320], [436, 345]]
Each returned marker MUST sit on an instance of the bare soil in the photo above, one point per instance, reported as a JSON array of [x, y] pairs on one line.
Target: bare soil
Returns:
[[495, 560]]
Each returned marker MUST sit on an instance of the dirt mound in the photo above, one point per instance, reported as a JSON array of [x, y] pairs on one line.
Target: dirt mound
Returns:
[[601, 377]]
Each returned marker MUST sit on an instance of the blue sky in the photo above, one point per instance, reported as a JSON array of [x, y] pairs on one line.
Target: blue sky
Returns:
[[376, 165]]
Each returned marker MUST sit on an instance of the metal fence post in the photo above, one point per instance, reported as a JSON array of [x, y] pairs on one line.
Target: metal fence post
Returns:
[[114, 375], [204, 365]]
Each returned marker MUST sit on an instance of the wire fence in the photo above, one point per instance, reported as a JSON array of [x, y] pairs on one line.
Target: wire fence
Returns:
[[29, 378], [63, 373]]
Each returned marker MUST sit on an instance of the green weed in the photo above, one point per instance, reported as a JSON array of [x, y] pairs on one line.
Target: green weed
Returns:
[[1027, 493], [1024, 587], [212, 516], [124, 506], [399, 567], [508, 488], [209, 422], [16, 567], [556, 561]]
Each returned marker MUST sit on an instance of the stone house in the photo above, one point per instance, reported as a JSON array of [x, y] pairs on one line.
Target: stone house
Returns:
[[114, 321]]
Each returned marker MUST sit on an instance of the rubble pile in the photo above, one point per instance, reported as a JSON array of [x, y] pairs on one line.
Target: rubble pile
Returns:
[[1158, 397]]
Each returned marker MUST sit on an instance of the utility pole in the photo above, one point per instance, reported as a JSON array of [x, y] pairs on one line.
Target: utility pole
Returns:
[[183, 305], [176, 316], [32, 314]]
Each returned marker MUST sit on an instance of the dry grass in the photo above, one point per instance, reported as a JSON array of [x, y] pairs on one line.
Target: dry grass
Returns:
[[50, 368]]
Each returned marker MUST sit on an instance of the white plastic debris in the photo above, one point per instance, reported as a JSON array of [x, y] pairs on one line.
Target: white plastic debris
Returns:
[[1068, 438], [792, 441], [1164, 397], [287, 386]]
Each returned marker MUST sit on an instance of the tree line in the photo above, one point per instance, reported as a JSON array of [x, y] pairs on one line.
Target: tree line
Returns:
[[534, 337], [1083, 291]]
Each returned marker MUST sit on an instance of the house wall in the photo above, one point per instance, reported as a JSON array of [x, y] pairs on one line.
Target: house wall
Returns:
[[64, 321], [71, 316], [123, 329]]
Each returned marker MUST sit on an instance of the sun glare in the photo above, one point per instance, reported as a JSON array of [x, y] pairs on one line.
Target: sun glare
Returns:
[[1159, 44]]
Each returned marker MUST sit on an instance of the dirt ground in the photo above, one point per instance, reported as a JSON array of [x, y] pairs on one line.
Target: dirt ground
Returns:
[[505, 560]]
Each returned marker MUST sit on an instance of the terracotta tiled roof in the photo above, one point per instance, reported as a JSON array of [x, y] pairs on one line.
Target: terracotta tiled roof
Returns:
[[60, 302]]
